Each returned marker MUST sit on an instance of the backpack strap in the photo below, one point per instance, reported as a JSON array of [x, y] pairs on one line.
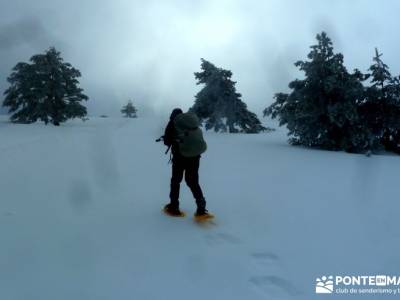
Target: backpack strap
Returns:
[[169, 147], [170, 158]]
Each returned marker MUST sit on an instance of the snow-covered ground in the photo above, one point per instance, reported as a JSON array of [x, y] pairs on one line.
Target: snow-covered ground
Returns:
[[80, 216]]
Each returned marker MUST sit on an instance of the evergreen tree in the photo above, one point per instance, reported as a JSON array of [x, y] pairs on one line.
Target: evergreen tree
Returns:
[[220, 105], [45, 89], [322, 109], [129, 111], [381, 108]]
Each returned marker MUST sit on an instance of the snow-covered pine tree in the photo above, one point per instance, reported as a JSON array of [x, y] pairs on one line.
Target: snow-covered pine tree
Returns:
[[219, 105], [381, 108], [129, 111], [321, 110], [46, 89]]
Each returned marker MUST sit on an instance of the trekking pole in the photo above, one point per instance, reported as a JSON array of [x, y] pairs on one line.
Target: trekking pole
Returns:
[[161, 139]]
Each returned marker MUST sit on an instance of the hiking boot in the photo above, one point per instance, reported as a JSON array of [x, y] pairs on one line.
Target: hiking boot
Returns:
[[202, 215], [201, 206], [172, 210], [201, 212]]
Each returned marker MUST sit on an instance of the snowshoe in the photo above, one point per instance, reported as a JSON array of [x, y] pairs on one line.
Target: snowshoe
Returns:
[[203, 216], [173, 211]]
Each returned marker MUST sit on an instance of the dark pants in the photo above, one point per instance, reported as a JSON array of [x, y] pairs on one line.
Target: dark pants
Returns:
[[189, 166]]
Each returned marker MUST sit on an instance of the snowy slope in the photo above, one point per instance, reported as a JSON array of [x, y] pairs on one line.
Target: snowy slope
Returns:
[[80, 216]]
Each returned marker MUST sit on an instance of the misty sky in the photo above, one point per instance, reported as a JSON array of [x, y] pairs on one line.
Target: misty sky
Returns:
[[148, 50]]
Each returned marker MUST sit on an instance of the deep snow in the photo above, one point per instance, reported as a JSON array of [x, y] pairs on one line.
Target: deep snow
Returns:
[[80, 216]]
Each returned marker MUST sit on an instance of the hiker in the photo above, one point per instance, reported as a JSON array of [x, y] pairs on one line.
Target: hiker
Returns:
[[185, 139]]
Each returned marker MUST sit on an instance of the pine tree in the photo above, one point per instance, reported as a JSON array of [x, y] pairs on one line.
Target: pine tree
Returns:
[[129, 111], [322, 109], [220, 105], [45, 89], [381, 108]]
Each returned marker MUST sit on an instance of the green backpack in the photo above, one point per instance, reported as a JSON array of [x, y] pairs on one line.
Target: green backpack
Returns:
[[191, 142]]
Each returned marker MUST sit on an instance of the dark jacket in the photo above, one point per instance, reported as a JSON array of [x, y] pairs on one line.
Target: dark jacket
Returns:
[[170, 135]]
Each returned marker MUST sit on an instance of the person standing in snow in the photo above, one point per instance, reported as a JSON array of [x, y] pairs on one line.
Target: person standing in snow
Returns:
[[185, 139]]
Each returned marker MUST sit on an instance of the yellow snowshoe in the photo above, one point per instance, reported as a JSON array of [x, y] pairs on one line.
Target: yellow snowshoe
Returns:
[[203, 216]]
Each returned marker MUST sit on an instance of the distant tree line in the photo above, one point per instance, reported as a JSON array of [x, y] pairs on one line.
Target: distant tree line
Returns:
[[334, 109], [330, 108]]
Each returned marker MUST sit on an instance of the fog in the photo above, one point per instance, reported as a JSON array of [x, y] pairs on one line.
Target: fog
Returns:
[[147, 51]]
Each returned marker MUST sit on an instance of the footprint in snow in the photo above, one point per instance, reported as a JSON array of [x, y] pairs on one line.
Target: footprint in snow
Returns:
[[274, 285], [271, 282], [222, 238], [266, 259], [263, 256]]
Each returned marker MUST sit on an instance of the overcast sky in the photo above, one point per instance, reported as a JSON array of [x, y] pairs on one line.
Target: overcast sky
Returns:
[[148, 50]]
